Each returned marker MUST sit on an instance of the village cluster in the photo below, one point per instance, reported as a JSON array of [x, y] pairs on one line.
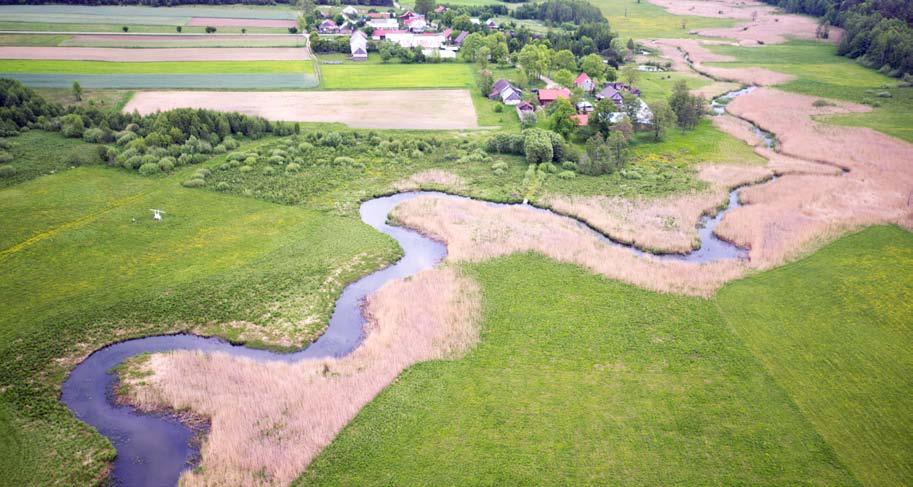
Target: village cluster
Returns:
[[509, 94], [409, 30]]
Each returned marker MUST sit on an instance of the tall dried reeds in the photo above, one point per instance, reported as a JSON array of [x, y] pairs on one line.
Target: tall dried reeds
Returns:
[[269, 419]]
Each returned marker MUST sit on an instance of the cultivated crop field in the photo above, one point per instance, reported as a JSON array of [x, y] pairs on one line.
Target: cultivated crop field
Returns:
[[386, 76], [30, 55]]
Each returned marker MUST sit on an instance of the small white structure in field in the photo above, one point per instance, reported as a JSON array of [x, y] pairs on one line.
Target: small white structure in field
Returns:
[[156, 214]]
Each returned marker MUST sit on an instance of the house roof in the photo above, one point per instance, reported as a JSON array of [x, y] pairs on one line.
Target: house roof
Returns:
[[447, 32], [581, 120], [499, 85], [582, 78], [440, 9], [378, 15], [525, 106], [408, 14], [460, 38], [609, 92], [552, 94], [359, 34], [328, 23]]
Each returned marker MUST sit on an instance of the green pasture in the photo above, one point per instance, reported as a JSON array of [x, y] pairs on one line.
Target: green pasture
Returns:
[[83, 263], [37, 153], [643, 20], [391, 76], [821, 72], [798, 376], [36, 66], [834, 330]]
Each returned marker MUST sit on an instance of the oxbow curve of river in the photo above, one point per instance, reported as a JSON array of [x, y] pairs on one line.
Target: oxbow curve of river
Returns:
[[154, 449]]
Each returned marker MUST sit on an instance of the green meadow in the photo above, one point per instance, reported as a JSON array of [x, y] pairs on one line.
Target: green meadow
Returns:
[[643, 20], [821, 72], [391, 76], [36, 66], [798, 376], [82, 264]]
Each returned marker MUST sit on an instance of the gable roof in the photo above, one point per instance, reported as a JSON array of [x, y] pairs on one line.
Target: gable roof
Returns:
[[525, 106], [460, 38], [581, 120], [552, 94], [609, 92], [499, 85], [582, 78]]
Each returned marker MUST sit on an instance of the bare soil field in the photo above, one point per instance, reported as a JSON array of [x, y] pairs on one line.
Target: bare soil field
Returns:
[[239, 22], [394, 109], [152, 55], [270, 419]]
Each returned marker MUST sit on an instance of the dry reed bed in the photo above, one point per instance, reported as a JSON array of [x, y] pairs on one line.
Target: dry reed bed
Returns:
[[795, 212], [667, 225], [764, 23], [437, 178], [675, 49], [269, 419], [475, 231]]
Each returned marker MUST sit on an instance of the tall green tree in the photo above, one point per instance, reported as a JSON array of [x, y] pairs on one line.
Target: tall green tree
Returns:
[[424, 6], [77, 91], [559, 118], [663, 118], [592, 65]]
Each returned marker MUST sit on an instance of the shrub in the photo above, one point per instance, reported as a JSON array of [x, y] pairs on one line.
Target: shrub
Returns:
[[245, 169], [7, 171], [276, 160], [219, 149], [149, 169], [250, 161], [185, 159], [269, 170], [77, 159], [193, 183], [230, 143], [343, 161], [167, 163], [538, 147], [93, 135], [125, 137], [569, 166], [72, 126], [499, 165], [293, 167], [133, 162], [5, 156], [567, 174], [223, 186], [822, 103]]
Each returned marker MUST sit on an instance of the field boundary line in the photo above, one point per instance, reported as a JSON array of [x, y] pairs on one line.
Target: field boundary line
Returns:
[[53, 231]]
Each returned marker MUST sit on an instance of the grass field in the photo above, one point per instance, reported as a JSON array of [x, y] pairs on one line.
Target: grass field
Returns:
[[834, 331], [383, 76], [643, 20], [821, 72], [157, 67], [579, 380], [82, 262], [36, 153]]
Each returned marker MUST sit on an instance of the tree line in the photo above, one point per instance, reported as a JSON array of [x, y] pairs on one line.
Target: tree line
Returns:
[[560, 11], [879, 33]]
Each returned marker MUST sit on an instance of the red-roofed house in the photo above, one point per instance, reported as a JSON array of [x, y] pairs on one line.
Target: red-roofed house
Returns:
[[548, 95], [581, 120], [440, 9], [447, 33], [584, 82], [408, 14], [378, 15]]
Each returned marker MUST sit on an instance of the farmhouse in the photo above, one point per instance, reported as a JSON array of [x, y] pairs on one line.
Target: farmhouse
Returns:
[[491, 24], [384, 23], [350, 11], [549, 95], [416, 24], [584, 107], [358, 43], [377, 15], [525, 109], [328, 27], [460, 38], [585, 83], [609, 92], [582, 120]]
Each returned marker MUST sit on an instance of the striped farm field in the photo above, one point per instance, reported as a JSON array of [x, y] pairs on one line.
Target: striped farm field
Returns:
[[38, 53], [178, 40], [34, 66], [238, 81], [386, 76]]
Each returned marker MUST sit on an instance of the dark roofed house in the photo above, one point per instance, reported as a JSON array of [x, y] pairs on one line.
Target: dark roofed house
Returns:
[[328, 27], [497, 87], [460, 38], [611, 93]]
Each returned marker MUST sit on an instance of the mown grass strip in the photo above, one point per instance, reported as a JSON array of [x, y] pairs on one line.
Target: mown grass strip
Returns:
[[383, 76]]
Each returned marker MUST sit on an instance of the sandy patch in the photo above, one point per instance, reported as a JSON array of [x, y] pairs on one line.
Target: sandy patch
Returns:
[[397, 109], [269, 420], [240, 22], [149, 55]]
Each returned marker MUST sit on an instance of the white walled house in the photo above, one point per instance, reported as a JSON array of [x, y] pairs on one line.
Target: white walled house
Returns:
[[358, 44], [386, 24]]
